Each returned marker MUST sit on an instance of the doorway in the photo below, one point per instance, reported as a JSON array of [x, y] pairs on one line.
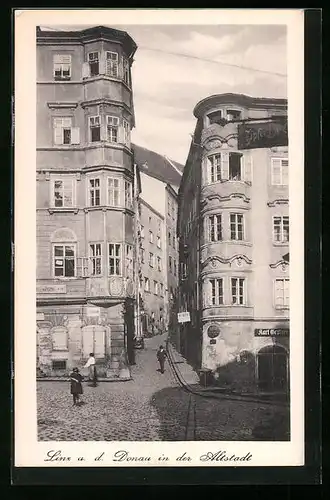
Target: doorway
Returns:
[[272, 363]]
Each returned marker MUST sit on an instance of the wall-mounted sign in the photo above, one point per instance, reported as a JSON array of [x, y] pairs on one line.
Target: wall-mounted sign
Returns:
[[183, 317], [51, 289], [271, 332], [93, 312], [263, 135], [213, 331]]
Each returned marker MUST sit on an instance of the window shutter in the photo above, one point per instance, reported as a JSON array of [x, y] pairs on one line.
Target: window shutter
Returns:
[[103, 132], [75, 135], [85, 70], [121, 67], [246, 163], [58, 132], [121, 135], [224, 166], [102, 63], [60, 338]]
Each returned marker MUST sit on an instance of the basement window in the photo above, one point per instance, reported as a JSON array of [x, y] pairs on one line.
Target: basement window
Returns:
[[59, 364]]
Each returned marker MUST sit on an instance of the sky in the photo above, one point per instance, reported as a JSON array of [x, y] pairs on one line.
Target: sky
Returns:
[[167, 87]]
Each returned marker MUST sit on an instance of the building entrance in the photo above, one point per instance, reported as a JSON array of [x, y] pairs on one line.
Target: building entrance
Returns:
[[272, 362]]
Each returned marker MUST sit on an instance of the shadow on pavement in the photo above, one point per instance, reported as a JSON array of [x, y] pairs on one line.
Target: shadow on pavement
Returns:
[[216, 419]]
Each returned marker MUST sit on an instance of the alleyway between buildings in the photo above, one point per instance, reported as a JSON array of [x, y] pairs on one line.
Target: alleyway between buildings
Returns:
[[150, 407]]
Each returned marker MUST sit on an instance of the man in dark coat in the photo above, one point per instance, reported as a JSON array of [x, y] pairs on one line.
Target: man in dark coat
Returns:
[[76, 385], [161, 356]]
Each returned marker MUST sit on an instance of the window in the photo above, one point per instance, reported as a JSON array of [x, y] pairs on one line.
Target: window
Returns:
[[215, 227], [128, 194], [237, 291], [63, 130], [155, 287], [216, 292], [233, 114], [94, 64], [63, 193], [279, 171], [95, 128], [129, 260], [113, 191], [58, 364], [170, 263], [169, 238], [215, 117], [281, 229], [94, 192], [142, 231], [112, 128], [127, 132], [235, 167], [111, 64], [95, 255], [173, 241], [62, 67], [151, 259], [158, 242], [142, 255], [214, 162], [159, 263], [161, 289], [64, 261], [146, 285], [236, 227], [282, 295], [174, 267], [114, 259], [126, 72], [169, 209], [151, 236]]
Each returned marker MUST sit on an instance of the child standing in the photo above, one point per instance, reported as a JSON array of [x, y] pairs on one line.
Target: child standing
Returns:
[[76, 385]]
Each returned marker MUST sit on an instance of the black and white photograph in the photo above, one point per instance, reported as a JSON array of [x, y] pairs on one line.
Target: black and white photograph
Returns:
[[163, 236]]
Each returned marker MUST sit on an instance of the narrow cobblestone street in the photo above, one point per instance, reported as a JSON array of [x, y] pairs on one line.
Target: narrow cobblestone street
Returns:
[[150, 407]]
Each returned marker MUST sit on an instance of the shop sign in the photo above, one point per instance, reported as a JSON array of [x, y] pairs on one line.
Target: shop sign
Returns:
[[183, 317], [271, 332], [93, 312], [263, 135], [51, 289]]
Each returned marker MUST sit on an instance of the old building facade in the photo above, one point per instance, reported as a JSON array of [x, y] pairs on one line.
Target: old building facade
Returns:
[[233, 227], [85, 202]]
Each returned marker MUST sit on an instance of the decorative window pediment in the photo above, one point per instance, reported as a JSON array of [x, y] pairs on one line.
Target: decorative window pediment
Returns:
[[63, 234], [281, 263]]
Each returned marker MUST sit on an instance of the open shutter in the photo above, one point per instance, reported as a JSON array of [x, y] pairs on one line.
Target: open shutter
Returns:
[[121, 67], [224, 166], [246, 163], [75, 135], [85, 70], [121, 134], [102, 63], [103, 129], [58, 134]]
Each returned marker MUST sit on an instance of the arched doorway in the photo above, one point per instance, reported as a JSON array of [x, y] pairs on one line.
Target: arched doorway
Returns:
[[272, 363]]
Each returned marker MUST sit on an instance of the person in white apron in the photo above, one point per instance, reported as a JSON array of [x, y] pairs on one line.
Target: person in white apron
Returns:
[[92, 369]]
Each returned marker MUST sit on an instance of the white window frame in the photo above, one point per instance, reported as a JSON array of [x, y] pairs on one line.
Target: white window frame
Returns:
[[159, 242], [94, 189], [126, 72], [233, 109], [60, 124], [97, 124], [90, 61], [214, 170], [151, 236], [142, 231], [112, 125], [151, 259], [116, 258], [146, 284], [213, 224], [127, 132], [280, 159], [215, 299], [111, 64], [156, 291], [284, 305], [60, 62], [63, 245], [238, 278], [73, 191], [96, 259], [282, 232], [159, 264], [112, 189], [236, 226], [211, 112], [129, 259], [128, 194]]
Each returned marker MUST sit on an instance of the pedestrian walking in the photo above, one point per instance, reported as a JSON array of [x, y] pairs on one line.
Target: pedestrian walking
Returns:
[[76, 385], [92, 369], [161, 356]]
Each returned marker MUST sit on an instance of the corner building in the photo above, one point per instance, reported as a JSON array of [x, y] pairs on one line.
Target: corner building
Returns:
[[85, 201], [233, 228]]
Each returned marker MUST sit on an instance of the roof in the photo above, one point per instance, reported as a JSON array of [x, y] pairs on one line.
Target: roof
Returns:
[[157, 166]]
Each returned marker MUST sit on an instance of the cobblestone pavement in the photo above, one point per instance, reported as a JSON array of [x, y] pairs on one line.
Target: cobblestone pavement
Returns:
[[149, 407]]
